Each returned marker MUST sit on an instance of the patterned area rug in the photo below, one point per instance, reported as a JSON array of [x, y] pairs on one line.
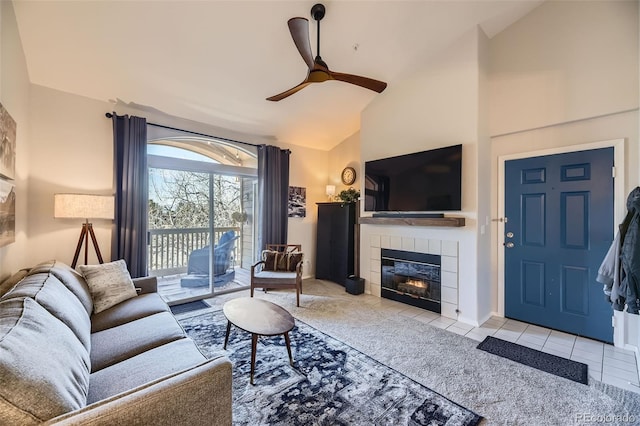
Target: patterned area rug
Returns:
[[329, 384]]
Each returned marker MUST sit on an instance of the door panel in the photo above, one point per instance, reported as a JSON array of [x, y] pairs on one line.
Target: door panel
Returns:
[[574, 216], [575, 297], [533, 283], [560, 211], [533, 213]]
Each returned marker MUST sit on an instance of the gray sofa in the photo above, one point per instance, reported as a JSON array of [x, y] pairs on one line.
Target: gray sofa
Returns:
[[130, 364]]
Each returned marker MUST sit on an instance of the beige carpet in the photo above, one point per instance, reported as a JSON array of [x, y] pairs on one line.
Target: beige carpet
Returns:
[[502, 391]]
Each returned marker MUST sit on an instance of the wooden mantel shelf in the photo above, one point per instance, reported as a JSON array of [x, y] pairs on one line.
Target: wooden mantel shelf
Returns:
[[414, 221]]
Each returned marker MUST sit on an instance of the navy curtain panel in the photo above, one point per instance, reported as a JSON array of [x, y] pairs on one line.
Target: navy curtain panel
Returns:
[[273, 192], [129, 241]]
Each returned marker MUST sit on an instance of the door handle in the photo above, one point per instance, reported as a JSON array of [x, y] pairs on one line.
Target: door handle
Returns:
[[509, 244]]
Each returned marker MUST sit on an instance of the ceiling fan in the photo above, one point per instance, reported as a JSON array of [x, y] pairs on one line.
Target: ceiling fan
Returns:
[[318, 69]]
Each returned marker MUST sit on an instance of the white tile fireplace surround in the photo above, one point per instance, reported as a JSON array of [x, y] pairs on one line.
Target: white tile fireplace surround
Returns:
[[374, 239]]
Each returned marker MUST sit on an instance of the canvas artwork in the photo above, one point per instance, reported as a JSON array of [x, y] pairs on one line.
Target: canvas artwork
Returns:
[[7, 176], [7, 212], [7, 145], [297, 201]]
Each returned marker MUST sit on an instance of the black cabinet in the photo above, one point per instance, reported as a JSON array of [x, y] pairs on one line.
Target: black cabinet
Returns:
[[335, 241]]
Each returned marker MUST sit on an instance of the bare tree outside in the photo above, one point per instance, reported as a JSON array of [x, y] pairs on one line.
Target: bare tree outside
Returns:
[[180, 199], [179, 209]]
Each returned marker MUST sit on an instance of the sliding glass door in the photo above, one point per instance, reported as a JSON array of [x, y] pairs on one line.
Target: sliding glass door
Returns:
[[200, 224]]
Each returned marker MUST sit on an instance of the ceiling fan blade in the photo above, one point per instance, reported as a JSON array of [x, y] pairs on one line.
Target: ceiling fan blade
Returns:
[[367, 83], [299, 28], [281, 96]]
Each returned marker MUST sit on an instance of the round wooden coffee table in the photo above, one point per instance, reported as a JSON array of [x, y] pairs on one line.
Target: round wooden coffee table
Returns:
[[260, 318]]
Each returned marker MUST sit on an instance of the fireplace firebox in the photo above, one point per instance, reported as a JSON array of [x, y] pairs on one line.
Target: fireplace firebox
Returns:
[[412, 278]]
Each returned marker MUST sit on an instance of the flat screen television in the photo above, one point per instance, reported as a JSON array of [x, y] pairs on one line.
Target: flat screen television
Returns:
[[426, 181]]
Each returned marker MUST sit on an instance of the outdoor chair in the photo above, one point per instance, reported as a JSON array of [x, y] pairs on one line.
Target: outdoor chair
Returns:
[[280, 267], [198, 263]]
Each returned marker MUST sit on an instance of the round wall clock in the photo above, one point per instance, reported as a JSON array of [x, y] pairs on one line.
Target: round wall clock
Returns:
[[348, 175]]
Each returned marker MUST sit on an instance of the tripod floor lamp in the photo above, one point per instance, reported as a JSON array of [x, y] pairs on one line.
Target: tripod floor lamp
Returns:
[[84, 206]]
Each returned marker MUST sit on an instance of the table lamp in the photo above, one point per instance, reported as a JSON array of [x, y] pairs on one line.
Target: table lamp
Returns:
[[84, 206], [331, 191]]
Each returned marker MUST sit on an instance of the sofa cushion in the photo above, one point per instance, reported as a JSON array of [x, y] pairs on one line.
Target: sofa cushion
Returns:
[[44, 370], [129, 310], [70, 278], [56, 298], [109, 284], [119, 343], [8, 284], [147, 367]]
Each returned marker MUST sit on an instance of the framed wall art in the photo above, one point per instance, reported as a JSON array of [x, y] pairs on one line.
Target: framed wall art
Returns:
[[297, 201], [7, 177], [7, 212], [7, 145]]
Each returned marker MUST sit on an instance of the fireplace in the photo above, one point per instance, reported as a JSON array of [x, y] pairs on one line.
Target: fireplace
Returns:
[[412, 278]]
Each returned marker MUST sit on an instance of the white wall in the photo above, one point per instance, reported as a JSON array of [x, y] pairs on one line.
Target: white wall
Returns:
[[14, 95], [345, 154], [308, 169], [71, 152], [486, 289], [564, 61], [437, 107]]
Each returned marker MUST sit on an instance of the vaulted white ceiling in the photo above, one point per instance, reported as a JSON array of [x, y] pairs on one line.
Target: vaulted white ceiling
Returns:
[[216, 61]]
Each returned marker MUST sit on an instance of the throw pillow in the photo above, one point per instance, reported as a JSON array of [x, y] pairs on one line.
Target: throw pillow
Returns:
[[109, 284], [270, 259], [293, 260], [282, 263]]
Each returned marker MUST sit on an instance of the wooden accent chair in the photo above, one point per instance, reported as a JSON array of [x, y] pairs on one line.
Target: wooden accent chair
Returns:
[[280, 267]]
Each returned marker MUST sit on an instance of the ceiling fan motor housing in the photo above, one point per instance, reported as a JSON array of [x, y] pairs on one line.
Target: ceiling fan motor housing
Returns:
[[317, 11]]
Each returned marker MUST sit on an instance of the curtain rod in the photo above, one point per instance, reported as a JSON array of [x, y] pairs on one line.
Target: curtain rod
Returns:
[[109, 115]]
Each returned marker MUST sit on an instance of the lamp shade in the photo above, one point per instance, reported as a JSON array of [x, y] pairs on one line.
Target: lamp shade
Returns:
[[84, 206], [330, 190]]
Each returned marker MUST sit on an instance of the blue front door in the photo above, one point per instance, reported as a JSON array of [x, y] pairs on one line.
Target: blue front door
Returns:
[[559, 211]]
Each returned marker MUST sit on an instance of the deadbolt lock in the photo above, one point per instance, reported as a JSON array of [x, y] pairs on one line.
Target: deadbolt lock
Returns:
[[509, 234]]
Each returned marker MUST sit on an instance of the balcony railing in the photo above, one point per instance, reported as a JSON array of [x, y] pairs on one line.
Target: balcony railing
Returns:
[[169, 249]]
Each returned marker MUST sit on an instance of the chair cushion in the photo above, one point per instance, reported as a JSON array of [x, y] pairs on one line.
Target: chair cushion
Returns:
[[44, 370], [274, 278], [109, 283]]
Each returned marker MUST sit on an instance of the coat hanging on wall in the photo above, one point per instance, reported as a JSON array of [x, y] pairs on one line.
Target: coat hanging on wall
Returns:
[[620, 269]]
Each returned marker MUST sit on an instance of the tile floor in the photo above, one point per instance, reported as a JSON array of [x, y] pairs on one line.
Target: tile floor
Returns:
[[606, 363]]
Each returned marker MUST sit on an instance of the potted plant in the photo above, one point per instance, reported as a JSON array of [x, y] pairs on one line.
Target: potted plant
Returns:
[[349, 195]]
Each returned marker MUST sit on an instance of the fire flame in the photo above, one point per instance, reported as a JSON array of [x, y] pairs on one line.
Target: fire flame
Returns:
[[416, 283]]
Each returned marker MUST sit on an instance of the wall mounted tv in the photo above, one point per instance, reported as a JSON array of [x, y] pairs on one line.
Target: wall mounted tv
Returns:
[[427, 181]]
